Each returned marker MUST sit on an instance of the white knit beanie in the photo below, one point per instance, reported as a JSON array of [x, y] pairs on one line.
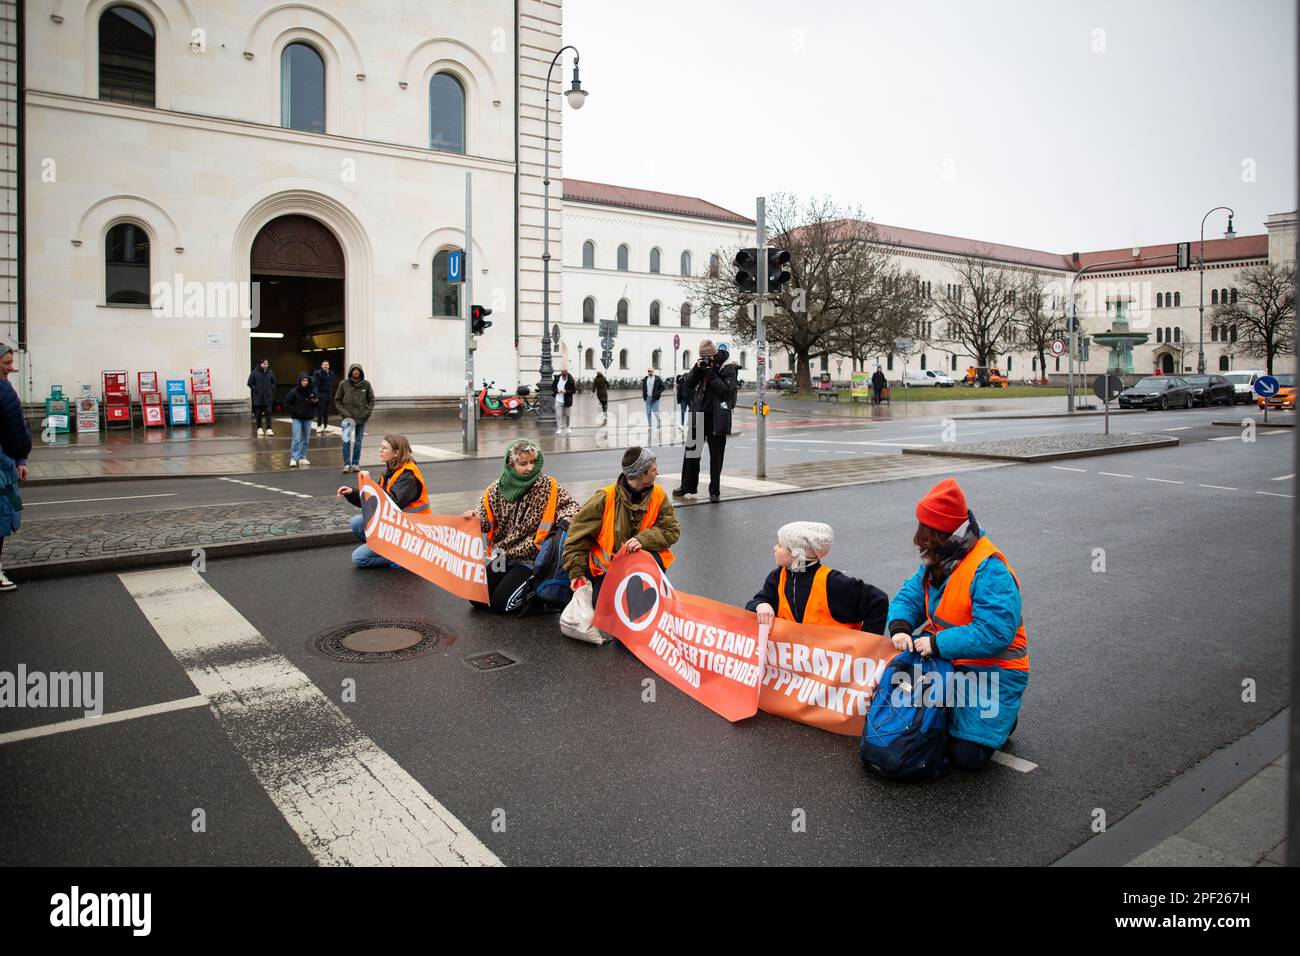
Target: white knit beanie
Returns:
[[807, 541]]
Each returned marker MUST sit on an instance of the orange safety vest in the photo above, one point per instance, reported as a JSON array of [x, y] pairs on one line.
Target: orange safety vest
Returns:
[[818, 608], [602, 551], [421, 504], [548, 516], [955, 610]]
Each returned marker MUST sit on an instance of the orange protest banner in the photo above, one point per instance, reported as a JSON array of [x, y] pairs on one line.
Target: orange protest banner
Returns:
[[447, 550], [821, 675], [708, 650]]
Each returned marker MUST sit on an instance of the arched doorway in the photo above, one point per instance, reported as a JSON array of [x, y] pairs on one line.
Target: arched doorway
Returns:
[[1167, 364], [297, 263]]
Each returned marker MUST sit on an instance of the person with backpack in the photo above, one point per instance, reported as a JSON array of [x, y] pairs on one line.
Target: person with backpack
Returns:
[[261, 388], [804, 590], [355, 400], [300, 402], [402, 481], [517, 513], [323, 381], [966, 598], [712, 385]]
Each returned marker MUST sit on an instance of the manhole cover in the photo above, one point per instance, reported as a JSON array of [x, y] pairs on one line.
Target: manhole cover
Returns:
[[492, 661], [366, 642]]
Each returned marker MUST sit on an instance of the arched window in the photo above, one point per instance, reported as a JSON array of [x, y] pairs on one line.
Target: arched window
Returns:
[[714, 264], [622, 358], [824, 363], [744, 359], [714, 313], [622, 259], [686, 263], [446, 113], [446, 295], [686, 315], [1058, 364], [1009, 358], [589, 255], [686, 359], [589, 309], [1223, 363], [126, 56], [302, 88], [622, 311], [1160, 300], [954, 363], [1214, 297], [126, 265], [590, 360], [922, 361], [1033, 363], [654, 313], [889, 362], [1178, 299], [655, 358], [1223, 296], [654, 260], [1169, 334], [1234, 295], [1232, 332], [1214, 333], [1160, 335], [1178, 334]]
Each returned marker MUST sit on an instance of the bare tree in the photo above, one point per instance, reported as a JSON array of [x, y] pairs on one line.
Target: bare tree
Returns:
[[835, 261], [979, 311], [1263, 315], [1039, 322], [884, 304]]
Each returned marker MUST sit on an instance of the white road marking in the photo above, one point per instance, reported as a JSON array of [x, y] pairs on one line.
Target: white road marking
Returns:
[[77, 501], [1180, 428], [1167, 481], [1275, 433], [436, 453], [1226, 438], [81, 723], [1273, 494], [1015, 763], [1283, 477], [1217, 487], [1112, 474], [279, 491], [348, 801], [1066, 468], [744, 484]]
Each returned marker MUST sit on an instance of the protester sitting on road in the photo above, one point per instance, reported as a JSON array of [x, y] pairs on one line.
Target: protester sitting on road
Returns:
[[968, 600], [403, 483], [517, 512], [633, 514], [15, 446], [804, 590], [300, 403]]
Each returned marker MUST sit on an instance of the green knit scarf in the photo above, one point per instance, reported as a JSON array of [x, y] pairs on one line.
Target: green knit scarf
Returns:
[[511, 486]]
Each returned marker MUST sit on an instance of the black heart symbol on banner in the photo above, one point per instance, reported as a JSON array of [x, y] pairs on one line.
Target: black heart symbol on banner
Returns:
[[640, 598]]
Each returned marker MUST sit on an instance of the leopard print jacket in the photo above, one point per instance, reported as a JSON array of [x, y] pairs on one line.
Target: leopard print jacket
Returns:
[[517, 521]]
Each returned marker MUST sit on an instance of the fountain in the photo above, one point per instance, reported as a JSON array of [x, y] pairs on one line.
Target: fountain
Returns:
[[1120, 341]]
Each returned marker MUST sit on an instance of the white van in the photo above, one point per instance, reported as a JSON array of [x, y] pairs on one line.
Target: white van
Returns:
[[1243, 383], [920, 378]]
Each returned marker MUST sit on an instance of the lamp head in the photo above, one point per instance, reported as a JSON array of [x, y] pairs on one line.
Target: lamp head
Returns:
[[575, 94]]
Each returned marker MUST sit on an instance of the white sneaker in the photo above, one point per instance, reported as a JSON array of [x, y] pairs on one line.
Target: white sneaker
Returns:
[[269, 433], [6, 584], [303, 461], [261, 432], [293, 462]]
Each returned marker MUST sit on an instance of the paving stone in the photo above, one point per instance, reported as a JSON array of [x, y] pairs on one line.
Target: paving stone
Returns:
[[1179, 851], [1250, 821]]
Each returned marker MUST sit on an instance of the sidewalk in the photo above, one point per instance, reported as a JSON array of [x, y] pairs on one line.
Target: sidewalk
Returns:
[[55, 547]]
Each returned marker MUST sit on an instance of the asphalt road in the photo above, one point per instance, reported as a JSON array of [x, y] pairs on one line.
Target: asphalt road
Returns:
[[1137, 675]]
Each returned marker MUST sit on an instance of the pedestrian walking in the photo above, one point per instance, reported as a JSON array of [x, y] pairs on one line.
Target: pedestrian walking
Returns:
[[713, 386], [355, 400], [401, 481], [563, 388], [261, 387], [683, 400], [15, 446], [300, 403], [323, 381], [601, 388], [652, 386], [878, 385], [967, 600]]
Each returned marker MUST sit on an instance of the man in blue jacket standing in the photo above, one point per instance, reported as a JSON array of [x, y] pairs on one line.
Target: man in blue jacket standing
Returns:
[[15, 446]]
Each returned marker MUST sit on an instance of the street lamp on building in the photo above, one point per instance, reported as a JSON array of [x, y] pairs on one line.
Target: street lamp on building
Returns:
[[1200, 335], [576, 96]]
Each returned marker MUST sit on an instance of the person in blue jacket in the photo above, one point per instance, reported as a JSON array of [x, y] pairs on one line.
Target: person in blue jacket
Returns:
[[965, 598]]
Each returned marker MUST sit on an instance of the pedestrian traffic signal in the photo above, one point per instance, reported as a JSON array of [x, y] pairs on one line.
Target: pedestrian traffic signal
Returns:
[[777, 273], [478, 323], [746, 264]]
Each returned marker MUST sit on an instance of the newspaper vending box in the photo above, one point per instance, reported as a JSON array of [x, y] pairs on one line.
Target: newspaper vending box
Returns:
[[178, 402], [151, 406], [201, 386]]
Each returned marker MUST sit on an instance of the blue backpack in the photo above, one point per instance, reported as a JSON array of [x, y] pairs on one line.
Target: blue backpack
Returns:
[[904, 737], [547, 588]]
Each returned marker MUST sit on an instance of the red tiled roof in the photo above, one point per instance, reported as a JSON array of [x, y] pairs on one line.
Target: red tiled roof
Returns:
[[1166, 254], [580, 190]]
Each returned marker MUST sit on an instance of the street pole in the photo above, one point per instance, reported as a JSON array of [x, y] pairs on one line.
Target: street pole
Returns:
[[760, 333], [1200, 322], [469, 440]]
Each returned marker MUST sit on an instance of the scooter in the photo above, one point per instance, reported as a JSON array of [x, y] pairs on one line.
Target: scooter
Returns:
[[493, 404]]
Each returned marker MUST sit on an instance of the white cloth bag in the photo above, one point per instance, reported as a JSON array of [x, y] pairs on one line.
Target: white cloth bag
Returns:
[[576, 620]]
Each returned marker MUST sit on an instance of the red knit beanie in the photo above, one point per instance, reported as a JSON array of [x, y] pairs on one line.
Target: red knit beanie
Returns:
[[943, 508]]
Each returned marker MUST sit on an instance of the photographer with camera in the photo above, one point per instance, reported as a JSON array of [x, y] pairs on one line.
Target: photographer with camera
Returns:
[[712, 386]]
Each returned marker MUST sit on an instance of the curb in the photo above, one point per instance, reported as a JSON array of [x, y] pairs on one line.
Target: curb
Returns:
[[1050, 456], [1259, 422], [986, 418]]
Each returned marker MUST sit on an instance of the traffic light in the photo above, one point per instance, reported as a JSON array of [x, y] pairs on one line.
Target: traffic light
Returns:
[[777, 273], [478, 323], [746, 264]]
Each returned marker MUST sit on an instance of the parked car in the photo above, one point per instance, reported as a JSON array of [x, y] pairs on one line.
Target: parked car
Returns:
[[921, 378], [782, 381], [1285, 397], [1157, 391], [1211, 390], [1243, 380]]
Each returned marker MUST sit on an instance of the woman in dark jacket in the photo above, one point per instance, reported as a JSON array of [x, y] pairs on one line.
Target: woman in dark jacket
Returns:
[[602, 394], [402, 481], [261, 385], [300, 403]]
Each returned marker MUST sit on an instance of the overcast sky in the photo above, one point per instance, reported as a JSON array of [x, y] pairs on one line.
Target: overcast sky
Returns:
[[1053, 125]]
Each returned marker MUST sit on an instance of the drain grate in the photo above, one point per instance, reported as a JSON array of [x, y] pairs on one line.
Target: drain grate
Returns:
[[370, 642], [491, 661]]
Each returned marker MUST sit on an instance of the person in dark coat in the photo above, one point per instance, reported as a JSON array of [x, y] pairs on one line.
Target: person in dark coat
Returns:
[[15, 446], [601, 387], [300, 403], [564, 385], [712, 385], [355, 400], [261, 386], [323, 381], [878, 383]]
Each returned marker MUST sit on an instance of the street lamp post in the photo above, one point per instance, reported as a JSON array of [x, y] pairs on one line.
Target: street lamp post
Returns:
[[1200, 335], [576, 96]]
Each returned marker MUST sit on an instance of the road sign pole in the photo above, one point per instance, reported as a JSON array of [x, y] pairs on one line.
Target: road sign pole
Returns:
[[760, 334], [469, 437]]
